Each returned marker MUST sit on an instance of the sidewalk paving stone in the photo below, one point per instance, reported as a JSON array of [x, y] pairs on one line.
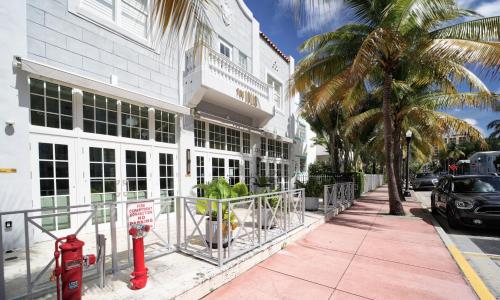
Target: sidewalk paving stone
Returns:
[[379, 279], [363, 253]]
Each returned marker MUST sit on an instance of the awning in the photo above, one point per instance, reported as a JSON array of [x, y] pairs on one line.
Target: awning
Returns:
[[39, 69]]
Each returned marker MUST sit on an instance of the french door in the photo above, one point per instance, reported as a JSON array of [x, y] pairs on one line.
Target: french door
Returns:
[[53, 182]]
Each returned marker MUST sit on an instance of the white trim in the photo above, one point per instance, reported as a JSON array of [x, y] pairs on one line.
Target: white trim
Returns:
[[75, 8], [282, 100], [51, 73], [227, 45]]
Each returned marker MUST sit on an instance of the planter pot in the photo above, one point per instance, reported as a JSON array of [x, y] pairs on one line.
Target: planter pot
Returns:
[[261, 189], [226, 233], [312, 203]]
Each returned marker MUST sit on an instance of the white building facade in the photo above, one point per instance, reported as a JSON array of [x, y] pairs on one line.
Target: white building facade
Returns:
[[94, 111]]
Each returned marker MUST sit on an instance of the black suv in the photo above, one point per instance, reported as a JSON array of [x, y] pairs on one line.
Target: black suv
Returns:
[[472, 200]]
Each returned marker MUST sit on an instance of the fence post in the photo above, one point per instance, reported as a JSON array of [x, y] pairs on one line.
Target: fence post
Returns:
[[114, 253], [2, 267], [259, 221], [303, 200], [178, 216], [27, 249], [220, 244]]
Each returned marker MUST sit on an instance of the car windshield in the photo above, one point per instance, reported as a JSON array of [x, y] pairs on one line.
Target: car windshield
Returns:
[[476, 185], [425, 175]]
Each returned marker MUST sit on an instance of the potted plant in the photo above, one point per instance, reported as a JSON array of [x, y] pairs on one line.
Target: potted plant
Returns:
[[266, 218], [261, 185], [313, 190], [219, 189]]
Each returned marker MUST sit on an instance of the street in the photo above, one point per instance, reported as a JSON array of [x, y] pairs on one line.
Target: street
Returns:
[[480, 247]]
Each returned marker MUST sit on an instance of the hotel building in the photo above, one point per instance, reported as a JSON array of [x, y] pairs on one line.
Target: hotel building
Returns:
[[93, 110]]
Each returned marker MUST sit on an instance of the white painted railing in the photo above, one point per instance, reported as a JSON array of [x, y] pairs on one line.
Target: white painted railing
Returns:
[[372, 181], [223, 68]]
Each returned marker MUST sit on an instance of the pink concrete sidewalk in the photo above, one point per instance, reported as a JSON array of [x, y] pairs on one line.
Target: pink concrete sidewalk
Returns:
[[361, 254]]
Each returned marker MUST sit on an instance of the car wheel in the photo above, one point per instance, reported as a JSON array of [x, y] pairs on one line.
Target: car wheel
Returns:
[[434, 210], [453, 222]]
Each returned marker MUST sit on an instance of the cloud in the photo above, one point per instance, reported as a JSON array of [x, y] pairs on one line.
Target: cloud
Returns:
[[315, 17], [486, 8], [474, 123]]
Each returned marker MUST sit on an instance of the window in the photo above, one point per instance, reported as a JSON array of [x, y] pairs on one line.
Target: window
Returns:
[[166, 182], [302, 164], [102, 181], [243, 61], [301, 132], [246, 142], [54, 184], [276, 87], [262, 169], [278, 177], [247, 173], [217, 168], [263, 146], [50, 104], [278, 149], [134, 121], [200, 174], [233, 140], [136, 174], [272, 175], [217, 137], [234, 171], [270, 148], [199, 133], [285, 151], [225, 49], [100, 114], [131, 15], [165, 127], [285, 174]]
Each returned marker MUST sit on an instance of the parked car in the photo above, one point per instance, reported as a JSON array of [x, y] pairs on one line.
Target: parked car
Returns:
[[470, 200], [425, 181]]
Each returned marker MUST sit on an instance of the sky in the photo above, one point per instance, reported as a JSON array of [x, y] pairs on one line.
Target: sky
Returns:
[[277, 21]]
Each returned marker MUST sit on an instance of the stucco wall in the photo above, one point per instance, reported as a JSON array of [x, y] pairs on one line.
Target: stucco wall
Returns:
[[70, 42]]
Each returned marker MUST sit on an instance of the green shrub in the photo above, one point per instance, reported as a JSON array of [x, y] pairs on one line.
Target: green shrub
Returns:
[[313, 188]]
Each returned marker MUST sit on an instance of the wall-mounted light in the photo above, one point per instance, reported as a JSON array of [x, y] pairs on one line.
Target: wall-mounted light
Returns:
[[188, 162]]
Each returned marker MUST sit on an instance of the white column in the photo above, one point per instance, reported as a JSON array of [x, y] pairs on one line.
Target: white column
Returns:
[[186, 141]]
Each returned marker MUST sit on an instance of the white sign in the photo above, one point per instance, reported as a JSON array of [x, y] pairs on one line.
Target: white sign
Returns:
[[141, 213]]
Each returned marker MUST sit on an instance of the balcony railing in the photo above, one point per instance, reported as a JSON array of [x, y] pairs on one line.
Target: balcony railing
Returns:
[[223, 68]]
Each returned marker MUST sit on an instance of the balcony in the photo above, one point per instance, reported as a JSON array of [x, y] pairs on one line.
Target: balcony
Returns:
[[211, 77]]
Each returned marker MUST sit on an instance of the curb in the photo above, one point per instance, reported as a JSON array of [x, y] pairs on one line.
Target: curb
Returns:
[[474, 280]]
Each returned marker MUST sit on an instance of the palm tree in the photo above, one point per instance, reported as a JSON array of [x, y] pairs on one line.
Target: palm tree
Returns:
[[386, 34], [495, 125]]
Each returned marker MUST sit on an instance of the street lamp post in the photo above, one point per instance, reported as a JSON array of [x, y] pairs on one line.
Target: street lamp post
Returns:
[[408, 141]]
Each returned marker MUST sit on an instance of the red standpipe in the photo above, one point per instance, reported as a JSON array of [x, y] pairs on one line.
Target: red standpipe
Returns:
[[71, 267], [140, 274]]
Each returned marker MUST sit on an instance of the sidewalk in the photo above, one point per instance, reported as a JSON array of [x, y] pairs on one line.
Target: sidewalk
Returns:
[[361, 254]]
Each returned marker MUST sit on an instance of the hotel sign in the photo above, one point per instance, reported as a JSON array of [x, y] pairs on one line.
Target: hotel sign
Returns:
[[247, 97]]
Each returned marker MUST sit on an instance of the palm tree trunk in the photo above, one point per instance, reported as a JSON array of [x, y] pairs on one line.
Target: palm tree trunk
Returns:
[[336, 155], [398, 153], [395, 206]]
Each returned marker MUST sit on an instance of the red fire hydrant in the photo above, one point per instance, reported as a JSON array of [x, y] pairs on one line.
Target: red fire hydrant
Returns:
[[140, 274], [71, 267]]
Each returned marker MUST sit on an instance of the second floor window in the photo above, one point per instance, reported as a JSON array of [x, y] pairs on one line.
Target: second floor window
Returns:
[[131, 15], [165, 127], [100, 114], [199, 133], [243, 61], [217, 137], [276, 90], [246, 142], [263, 146], [50, 104], [134, 121], [225, 49], [233, 140]]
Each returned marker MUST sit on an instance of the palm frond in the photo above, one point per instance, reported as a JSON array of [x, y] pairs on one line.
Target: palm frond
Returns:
[[478, 30]]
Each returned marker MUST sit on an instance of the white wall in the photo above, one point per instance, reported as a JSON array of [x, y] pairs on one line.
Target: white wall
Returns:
[[15, 191]]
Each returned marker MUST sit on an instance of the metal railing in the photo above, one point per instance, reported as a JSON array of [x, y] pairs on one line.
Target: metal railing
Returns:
[[372, 181], [242, 225], [238, 224], [337, 194]]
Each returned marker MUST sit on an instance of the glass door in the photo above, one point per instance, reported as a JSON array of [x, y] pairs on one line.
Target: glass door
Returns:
[[53, 175], [135, 173], [101, 177]]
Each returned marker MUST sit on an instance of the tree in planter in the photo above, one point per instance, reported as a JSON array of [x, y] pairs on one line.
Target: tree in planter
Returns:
[[220, 189]]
